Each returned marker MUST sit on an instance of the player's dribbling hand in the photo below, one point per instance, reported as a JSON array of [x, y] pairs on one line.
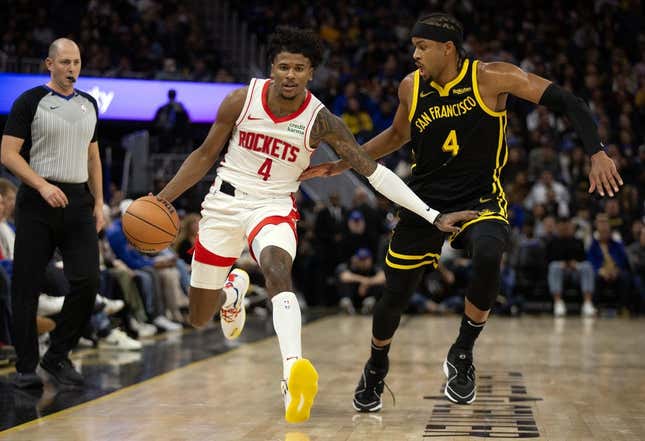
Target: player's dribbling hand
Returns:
[[603, 175], [159, 198], [53, 195], [324, 170], [446, 221]]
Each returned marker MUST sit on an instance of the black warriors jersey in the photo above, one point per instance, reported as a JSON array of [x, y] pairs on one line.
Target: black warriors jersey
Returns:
[[458, 143]]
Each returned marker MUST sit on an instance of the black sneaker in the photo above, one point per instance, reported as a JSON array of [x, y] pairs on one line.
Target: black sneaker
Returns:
[[27, 380], [367, 396], [62, 371], [460, 374]]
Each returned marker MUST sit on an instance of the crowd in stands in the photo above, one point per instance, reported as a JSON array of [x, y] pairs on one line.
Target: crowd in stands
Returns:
[[130, 39], [143, 294], [595, 50], [568, 246]]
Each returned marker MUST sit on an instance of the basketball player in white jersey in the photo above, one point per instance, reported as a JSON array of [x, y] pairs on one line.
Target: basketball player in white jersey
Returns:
[[272, 127]]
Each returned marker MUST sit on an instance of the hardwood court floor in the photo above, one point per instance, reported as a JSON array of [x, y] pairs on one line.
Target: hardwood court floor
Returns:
[[565, 379]]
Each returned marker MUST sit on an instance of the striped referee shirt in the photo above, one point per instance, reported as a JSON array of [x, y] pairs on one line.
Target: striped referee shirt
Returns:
[[57, 130]]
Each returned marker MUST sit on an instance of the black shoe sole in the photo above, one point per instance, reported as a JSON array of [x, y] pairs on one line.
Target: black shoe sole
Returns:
[[362, 409]]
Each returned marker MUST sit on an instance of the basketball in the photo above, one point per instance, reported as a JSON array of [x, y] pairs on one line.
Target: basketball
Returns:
[[150, 224]]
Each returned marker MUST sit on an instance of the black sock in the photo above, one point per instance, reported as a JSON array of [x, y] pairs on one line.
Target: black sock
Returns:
[[379, 359], [468, 333]]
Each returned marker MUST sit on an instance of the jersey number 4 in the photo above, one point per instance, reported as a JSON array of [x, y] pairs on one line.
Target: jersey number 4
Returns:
[[450, 144], [265, 169]]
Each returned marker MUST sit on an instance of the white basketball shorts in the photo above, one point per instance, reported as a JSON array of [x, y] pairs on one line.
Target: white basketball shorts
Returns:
[[230, 222]]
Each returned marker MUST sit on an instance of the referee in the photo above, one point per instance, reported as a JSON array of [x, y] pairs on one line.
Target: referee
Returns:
[[49, 142]]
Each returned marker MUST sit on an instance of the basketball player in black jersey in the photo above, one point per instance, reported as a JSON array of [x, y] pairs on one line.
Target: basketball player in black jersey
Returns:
[[453, 110]]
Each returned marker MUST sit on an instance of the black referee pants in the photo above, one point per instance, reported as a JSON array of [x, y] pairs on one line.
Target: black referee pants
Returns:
[[40, 229]]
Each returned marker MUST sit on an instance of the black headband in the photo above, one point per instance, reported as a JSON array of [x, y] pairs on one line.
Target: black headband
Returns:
[[436, 33]]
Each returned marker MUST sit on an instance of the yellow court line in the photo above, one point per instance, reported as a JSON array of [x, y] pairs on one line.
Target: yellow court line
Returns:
[[116, 393], [111, 395]]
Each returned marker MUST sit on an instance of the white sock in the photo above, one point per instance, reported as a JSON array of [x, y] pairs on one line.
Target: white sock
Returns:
[[287, 323]]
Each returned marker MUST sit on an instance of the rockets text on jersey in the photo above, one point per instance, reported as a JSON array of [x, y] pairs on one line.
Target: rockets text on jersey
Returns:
[[266, 154]]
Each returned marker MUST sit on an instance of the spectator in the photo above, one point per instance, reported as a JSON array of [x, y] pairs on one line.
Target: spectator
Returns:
[[8, 191], [510, 301], [7, 234], [385, 115], [328, 233], [201, 72], [358, 120], [566, 256], [341, 103], [610, 264], [169, 71], [360, 282], [5, 316], [375, 220], [356, 235], [636, 254], [529, 261], [115, 272], [516, 164], [551, 193], [441, 290], [543, 157], [159, 276], [171, 123], [187, 236], [618, 222]]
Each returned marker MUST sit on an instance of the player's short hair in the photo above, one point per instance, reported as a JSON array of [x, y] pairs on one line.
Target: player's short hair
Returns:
[[296, 41]]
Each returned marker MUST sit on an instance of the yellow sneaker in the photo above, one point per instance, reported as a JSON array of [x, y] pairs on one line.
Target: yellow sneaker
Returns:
[[299, 391], [233, 316]]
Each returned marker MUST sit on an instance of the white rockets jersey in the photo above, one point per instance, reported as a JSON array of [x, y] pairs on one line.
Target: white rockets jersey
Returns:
[[266, 154]]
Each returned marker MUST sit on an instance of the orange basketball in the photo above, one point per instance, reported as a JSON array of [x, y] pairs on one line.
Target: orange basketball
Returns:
[[150, 224]]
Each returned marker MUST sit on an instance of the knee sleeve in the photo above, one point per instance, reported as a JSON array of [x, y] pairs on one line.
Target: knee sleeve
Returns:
[[396, 297], [486, 260]]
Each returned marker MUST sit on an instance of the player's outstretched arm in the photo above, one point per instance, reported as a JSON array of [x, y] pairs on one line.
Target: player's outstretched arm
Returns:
[[200, 161], [501, 78], [333, 131], [386, 142]]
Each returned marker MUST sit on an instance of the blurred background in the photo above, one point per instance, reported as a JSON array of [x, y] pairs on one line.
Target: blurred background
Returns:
[[159, 70]]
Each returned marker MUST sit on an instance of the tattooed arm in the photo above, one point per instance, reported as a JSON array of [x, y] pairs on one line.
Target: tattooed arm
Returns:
[[386, 142], [332, 130]]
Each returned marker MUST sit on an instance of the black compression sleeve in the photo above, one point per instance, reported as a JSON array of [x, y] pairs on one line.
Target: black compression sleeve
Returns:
[[560, 100]]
